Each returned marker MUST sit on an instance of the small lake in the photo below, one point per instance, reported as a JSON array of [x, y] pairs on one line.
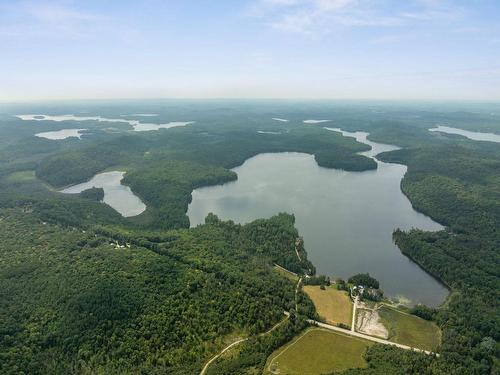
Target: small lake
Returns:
[[116, 195], [475, 136], [137, 125], [314, 121], [61, 134], [267, 132], [346, 218]]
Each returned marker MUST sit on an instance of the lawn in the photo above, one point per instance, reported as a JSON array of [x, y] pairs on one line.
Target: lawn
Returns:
[[333, 305], [410, 330], [317, 351]]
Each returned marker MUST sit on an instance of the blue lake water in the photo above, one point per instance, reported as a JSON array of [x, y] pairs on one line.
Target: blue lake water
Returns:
[[345, 218]]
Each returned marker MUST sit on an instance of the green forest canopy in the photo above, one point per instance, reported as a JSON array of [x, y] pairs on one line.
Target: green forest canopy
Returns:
[[75, 297]]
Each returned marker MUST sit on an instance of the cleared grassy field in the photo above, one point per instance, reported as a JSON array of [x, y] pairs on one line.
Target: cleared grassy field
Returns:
[[286, 274], [317, 351], [23, 176], [333, 305], [410, 330]]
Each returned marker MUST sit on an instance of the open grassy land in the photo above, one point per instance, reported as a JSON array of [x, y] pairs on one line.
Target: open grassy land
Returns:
[[318, 351], [289, 275], [22, 176], [410, 330], [331, 304]]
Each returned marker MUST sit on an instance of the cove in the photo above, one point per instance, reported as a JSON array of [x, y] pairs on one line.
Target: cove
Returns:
[[116, 195], [345, 218]]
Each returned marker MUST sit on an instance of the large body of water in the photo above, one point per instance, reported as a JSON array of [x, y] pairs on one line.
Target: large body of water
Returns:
[[116, 195], [475, 136], [346, 218], [137, 125]]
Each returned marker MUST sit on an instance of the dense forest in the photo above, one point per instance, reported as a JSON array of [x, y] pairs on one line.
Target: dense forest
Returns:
[[76, 301], [84, 290]]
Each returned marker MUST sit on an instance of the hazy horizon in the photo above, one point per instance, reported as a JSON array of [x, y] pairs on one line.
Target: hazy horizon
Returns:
[[419, 50]]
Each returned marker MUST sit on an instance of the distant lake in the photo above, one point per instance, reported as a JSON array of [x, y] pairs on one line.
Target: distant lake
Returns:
[[476, 136], [346, 218], [314, 121], [137, 125], [61, 134], [116, 195]]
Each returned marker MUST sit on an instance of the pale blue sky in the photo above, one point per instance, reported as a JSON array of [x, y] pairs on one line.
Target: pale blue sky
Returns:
[[342, 49]]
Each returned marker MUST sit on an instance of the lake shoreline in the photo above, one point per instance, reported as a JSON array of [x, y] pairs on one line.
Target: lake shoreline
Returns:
[[410, 264]]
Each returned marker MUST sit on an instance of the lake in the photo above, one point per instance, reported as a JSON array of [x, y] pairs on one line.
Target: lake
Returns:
[[137, 125], [116, 195], [345, 218], [61, 134], [475, 136]]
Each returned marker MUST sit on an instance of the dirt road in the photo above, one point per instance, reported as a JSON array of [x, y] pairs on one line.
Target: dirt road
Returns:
[[370, 338]]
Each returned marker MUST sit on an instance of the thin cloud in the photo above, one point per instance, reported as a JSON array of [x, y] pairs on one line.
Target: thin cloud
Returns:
[[316, 17], [48, 18]]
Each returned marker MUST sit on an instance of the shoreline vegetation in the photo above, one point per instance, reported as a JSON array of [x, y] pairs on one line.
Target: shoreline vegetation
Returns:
[[77, 298]]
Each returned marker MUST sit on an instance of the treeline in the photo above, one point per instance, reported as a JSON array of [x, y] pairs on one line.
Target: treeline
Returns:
[[321, 280], [385, 359], [364, 279]]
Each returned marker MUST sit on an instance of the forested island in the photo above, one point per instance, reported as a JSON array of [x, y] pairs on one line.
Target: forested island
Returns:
[[85, 290]]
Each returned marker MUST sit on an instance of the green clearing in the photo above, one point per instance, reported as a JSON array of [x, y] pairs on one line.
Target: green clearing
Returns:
[[333, 305], [287, 274], [318, 351], [410, 330], [22, 176]]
